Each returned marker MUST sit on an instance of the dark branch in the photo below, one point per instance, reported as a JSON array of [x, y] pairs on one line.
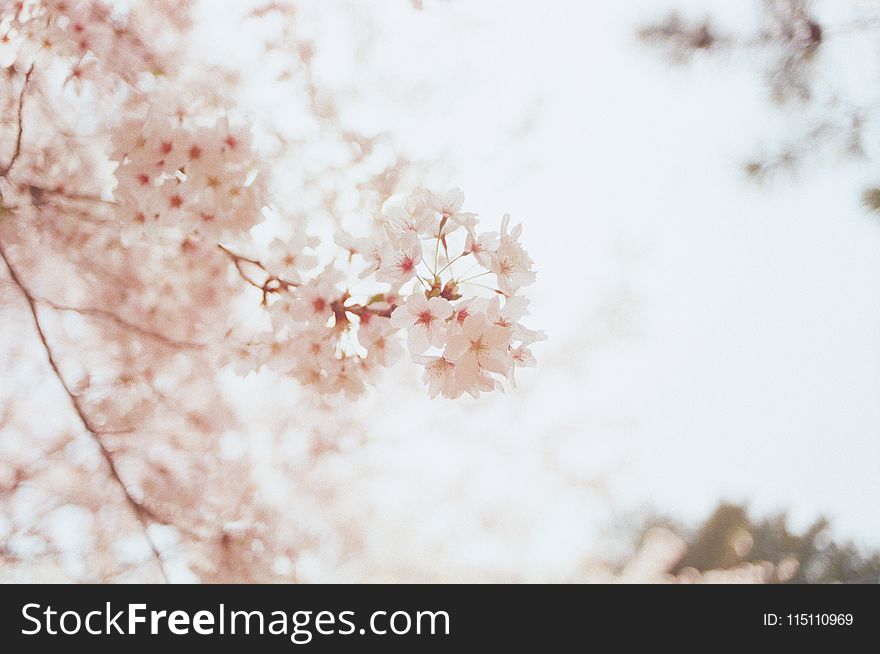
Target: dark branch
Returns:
[[140, 512], [121, 322], [18, 137], [272, 284]]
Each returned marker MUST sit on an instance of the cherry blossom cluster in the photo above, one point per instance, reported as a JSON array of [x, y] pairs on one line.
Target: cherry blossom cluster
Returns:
[[175, 174], [97, 38], [426, 270], [466, 342]]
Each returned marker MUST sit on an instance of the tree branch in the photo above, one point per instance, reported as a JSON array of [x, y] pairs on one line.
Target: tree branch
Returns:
[[121, 322], [272, 284], [140, 512], [17, 151]]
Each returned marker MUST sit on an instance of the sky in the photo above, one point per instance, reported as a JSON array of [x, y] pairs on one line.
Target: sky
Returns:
[[709, 337]]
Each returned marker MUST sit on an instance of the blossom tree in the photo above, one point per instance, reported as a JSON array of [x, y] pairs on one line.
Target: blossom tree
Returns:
[[150, 244]]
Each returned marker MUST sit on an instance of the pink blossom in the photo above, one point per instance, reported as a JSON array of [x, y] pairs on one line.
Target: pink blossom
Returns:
[[424, 319], [439, 376], [377, 335], [481, 247], [480, 348], [399, 260], [312, 302], [448, 205], [510, 263], [287, 259]]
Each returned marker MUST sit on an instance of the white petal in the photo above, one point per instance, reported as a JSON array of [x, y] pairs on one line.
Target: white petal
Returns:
[[401, 318], [496, 337], [456, 347], [417, 303], [440, 307], [473, 326], [437, 333], [417, 339]]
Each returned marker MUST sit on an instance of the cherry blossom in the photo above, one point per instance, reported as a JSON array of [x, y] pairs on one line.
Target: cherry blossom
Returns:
[[180, 171], [399, 260], [510, 262], [481, 346], [378, 335], [448, 205], [286, 259], [313, 301], [481, 247], [522, 358], [439, 376], [424, 319], [403, 220]]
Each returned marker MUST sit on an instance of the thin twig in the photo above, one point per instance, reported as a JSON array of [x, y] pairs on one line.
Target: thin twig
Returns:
[[121, 322], [360, 310], [237, 259], [272, 284], [141, 513], [17, 151], [73, 197]]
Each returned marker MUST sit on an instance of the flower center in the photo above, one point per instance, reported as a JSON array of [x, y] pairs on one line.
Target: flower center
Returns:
[[425, 318], [478, 346]]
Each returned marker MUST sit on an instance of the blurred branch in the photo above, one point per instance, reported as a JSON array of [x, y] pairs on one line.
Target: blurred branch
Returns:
[[141, 513], [680, 39], [121, 322], [17, 151]]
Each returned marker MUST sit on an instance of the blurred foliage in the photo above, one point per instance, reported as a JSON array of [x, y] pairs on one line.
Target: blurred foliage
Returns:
[[790, 46], [730, 537], [787, 43], [871, 199]]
